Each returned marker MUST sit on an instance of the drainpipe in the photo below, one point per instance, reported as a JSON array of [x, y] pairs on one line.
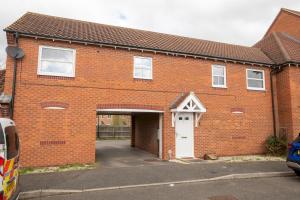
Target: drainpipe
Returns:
[[14, 79], [274, 71]]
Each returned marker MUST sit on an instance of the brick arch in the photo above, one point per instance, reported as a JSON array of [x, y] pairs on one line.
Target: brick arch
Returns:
[[57, 104], [129, 106]]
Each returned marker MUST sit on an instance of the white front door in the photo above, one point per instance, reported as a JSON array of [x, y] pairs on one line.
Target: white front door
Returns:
[[184, 131]]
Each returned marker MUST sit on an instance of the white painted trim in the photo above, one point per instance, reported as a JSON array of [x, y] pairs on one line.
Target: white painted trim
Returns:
[[39, 72], [264, 80], [160, 138], [151, 65], [125, 110], [189, 98], [237, 112], [197, 118], [212, 76], [193, 138], [54, 108]]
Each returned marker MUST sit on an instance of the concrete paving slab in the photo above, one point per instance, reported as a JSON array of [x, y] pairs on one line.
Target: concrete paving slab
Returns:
[[119, 153]]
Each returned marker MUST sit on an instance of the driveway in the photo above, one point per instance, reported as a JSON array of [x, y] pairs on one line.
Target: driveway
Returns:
[[119, 153]]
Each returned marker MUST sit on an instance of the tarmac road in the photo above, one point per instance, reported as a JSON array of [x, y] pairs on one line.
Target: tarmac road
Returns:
[[276, 188]]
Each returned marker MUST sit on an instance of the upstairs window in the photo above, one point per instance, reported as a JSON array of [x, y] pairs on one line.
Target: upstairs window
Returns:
[[142, 68], [54, 61], [255, 79], [219, 76]]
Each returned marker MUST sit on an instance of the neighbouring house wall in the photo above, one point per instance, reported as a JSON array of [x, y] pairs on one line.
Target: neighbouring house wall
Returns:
[[286, 22], [105, 76], [4, 110], [284, 102], [2, 80], [4, 107], [295, 99], [146, 130], [288, 90]]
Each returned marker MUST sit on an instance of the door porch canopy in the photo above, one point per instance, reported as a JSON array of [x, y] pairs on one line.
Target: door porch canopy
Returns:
[[188, 103]]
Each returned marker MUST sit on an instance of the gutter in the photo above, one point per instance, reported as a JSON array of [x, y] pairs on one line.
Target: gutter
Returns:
[[273, 72]]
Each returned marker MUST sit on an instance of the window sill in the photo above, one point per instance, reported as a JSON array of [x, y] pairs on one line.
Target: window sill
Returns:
[[142, 80], [219, 87], [55, 77], [256, 90]]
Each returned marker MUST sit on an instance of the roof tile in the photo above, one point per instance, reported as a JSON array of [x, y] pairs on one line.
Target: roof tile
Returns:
[[57, 27], [280, 47]]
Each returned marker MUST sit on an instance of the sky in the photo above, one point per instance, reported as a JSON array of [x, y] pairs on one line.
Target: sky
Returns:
[[242, 22]]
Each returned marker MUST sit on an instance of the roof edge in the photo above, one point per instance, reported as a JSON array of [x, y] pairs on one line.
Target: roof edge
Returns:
[[294, 12], [281, 47], [143, 48], [281, 10]]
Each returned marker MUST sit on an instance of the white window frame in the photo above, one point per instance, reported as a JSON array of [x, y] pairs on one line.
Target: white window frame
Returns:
[[39, 72], [151, 65], [263, 79], [212, 76]]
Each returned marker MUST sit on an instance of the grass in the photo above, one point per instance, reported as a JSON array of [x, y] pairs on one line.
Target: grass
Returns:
[[63, 168]]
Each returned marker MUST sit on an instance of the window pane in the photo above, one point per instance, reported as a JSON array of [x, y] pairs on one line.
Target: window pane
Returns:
[[146, 73], [57, 54], [142, 68], [255, 83], [219, 80], [138, 73], [218, 71], [57, 67], [215, 80], [255, 74], [142, 61]]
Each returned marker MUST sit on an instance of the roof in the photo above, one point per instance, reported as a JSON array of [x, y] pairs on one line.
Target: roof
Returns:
[[33, 24], [179, 99], [281, 47], [187, 102], [291, 11]]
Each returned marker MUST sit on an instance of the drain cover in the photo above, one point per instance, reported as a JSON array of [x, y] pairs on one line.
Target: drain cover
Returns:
[[225, 197]]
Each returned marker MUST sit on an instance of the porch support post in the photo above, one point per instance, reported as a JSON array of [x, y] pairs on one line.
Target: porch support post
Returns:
[[197, 118], [173, 118]]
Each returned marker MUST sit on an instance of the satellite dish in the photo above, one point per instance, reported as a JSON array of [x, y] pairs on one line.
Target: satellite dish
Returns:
[[15, 52]]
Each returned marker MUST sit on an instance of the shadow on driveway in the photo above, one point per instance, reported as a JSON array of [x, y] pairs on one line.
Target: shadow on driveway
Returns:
[[119, 153]]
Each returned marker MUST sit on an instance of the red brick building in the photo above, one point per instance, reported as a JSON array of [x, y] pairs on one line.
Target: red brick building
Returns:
[[187, 97]]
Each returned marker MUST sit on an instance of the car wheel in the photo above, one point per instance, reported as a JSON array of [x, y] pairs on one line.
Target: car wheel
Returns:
[[297, 173]]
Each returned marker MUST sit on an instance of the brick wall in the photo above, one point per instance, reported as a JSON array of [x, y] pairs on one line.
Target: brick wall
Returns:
[[4, 110], [288, 94], [286, 22], [104, 76], [146, 129], [4, 107], [2, 80], [295, 103]]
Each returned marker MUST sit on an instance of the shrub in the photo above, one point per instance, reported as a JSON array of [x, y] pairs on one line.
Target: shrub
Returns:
[[276, 146]]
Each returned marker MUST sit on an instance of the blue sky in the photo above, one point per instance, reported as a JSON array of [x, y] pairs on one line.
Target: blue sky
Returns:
[[232, 21]]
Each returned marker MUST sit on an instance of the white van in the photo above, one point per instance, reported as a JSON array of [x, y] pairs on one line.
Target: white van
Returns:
[[9, 160]]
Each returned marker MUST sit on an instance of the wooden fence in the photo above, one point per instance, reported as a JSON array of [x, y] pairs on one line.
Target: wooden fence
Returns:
[[113, 132]]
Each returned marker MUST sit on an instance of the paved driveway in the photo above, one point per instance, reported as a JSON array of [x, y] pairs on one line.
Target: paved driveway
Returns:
[[119, 153]]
